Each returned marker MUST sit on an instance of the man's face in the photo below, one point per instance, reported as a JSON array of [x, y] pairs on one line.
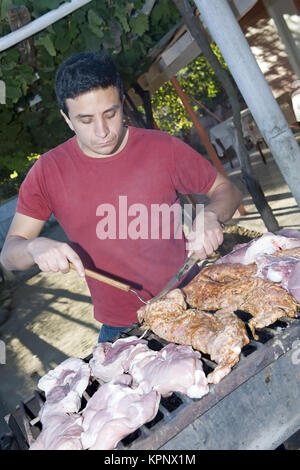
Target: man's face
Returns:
[[96, 117]]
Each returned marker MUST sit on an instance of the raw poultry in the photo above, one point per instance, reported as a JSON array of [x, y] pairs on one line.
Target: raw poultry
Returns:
[[263, 300], [172, 369], [112, 359], [115, 411], [60, 432], [221, 335], [123, 404], [63, 387], [268, 243]]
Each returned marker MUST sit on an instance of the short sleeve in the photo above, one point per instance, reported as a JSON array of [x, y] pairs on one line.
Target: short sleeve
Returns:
[[33, 200], [192, 172]]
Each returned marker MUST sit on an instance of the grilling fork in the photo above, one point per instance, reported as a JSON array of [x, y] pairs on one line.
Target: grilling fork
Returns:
[[110, 281]]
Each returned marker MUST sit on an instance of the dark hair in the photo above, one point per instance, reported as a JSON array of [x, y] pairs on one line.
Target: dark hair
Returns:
[[85, 72]]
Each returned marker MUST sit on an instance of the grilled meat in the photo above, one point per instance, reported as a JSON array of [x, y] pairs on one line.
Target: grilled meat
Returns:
[[267, 303], [294, 252], [227, 272], [220, 335], [213, 295], [264, 300]]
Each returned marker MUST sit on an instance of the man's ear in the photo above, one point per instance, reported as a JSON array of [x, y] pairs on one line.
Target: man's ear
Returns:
[[67, 120]]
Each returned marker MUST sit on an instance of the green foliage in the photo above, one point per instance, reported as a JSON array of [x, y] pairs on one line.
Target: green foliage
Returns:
[[197, 79], [139, 25], [114, 25]]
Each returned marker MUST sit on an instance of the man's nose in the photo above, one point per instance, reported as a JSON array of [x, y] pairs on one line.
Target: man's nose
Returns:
[[101, 128]]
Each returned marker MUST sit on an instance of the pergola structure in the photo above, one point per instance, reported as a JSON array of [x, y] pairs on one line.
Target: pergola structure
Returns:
[[178, 47]]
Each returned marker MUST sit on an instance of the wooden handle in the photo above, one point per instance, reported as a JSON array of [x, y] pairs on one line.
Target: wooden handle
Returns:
[[105, 279]]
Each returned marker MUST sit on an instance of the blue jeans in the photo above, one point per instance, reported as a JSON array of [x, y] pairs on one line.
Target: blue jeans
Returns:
[[107, 333]]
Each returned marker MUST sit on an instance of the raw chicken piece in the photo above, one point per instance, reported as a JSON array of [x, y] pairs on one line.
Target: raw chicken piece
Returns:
[[221, 335], [64, 386], [294, 282], [115, 411], [289, 232], [275, 268], [112, 359], [173, 369], [268, 243], [60, 432]]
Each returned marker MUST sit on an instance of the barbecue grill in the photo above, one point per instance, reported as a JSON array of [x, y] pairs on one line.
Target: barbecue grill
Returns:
[[256, 406]]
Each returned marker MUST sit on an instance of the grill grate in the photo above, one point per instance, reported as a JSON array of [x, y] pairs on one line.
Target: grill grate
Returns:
[[177, 411]]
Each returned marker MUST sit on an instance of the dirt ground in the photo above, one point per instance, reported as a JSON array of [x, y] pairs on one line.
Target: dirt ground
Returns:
[[50, 315], [51, 319]]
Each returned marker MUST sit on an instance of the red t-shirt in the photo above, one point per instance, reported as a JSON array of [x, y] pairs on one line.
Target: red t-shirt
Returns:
[[96, 197]]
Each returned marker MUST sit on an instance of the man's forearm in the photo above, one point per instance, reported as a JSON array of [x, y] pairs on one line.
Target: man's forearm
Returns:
[[224, 202], [15, 254]]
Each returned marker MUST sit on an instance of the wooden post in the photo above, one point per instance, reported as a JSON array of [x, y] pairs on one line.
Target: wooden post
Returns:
[[208, 111], [18, 17], [203, 136]]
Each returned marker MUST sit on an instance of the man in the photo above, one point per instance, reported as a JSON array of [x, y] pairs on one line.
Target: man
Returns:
[[97, 181]]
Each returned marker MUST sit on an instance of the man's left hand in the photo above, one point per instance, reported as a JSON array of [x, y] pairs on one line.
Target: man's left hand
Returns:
[[206, 236]]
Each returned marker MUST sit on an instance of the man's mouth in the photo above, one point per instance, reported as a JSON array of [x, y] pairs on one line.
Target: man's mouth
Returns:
[[104, 144]]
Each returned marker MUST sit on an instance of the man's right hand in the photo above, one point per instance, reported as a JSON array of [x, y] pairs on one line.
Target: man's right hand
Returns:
[[54, 256], [23, 247]]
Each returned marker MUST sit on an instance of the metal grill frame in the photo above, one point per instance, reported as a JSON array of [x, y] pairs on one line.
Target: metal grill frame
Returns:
[[174, 420]]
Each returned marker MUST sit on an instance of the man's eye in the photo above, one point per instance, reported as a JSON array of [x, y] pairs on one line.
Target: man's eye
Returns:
[[86, 121], [110, 114]]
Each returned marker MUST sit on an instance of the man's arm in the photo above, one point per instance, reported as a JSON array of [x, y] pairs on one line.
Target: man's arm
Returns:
[[224, 197], [207, 233], [23, 248]]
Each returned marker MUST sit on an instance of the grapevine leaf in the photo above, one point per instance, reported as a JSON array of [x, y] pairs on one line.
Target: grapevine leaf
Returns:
[[121, 16], [95, 23], [42, 6], [91, 41], [46, 41], [13, 91], [5, 5], [139, 24]]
